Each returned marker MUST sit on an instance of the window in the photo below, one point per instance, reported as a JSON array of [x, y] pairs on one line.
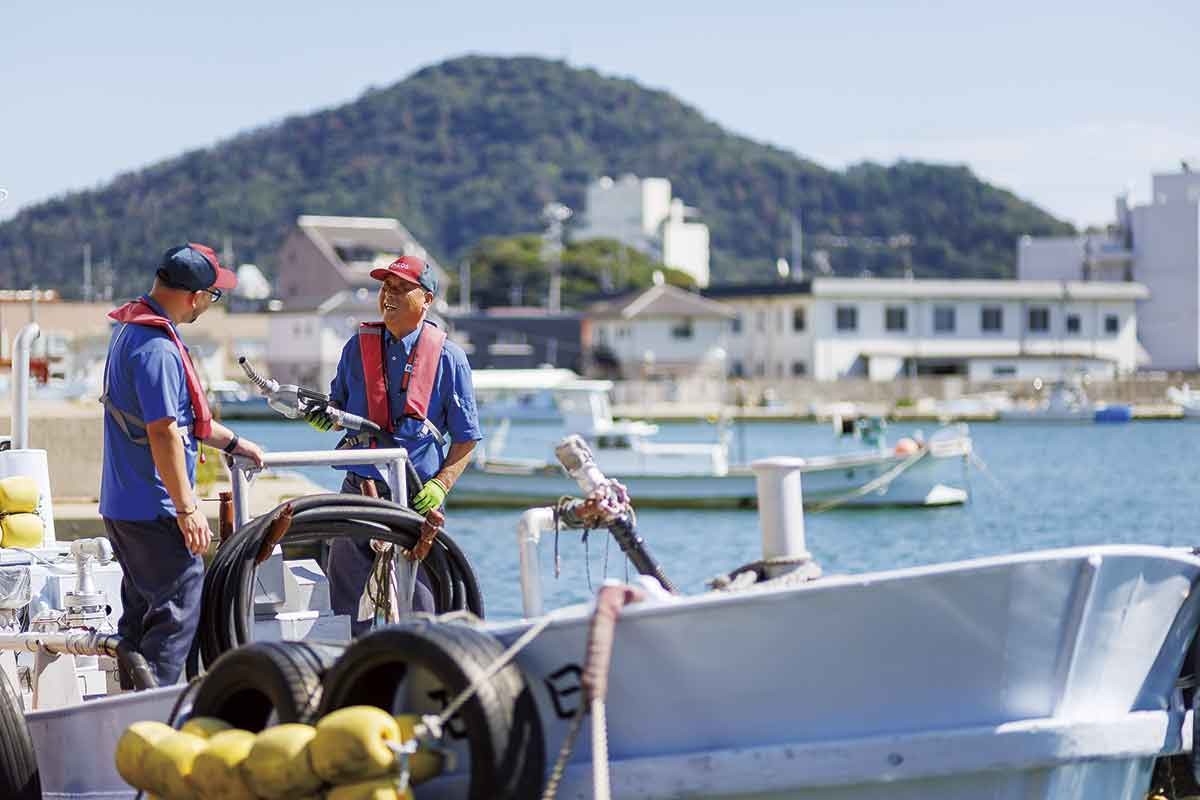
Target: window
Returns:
[[943, 319], [1039, 319], [1112, 323], [847, 318], [1072, 323], [737, 323], [1004, 371], [895, 318], [991, 318], [799, 369], [682, 329], [798, 321], [737, 370]]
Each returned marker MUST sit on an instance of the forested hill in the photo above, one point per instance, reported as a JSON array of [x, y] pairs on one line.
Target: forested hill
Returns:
[[476, 145]]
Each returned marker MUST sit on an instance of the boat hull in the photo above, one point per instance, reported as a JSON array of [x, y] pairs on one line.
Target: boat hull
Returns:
[[937, 479], [1041, 676]]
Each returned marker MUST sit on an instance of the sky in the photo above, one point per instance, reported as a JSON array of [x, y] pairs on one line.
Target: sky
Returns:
[[1065, 103]]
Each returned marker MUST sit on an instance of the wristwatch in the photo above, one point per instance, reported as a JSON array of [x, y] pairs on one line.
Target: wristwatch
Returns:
[[233, 443]]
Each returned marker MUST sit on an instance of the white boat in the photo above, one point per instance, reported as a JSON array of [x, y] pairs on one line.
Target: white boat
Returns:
[[1066, 402], [1187, 400], [1045, 676], [233, 400], [520, 395], [699, 475]]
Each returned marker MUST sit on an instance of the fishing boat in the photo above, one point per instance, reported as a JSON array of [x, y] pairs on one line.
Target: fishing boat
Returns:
[[1187, 400], [232, 400], [520, 395], [1046, 675], [1066, 402], [700, 475]]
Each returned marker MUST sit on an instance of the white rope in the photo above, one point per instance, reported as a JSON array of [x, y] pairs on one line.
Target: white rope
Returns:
[[432, 725], [883, 481]]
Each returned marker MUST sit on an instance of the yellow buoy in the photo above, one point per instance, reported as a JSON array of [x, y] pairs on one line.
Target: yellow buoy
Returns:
[[378, 789], [133, 747], [278, 766], [351, 744], [21, 530], [215, 774], [422, 765], [18, 494], [168, 764], [205, 727]]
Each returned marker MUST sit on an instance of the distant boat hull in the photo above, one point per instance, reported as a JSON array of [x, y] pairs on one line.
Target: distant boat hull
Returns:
[[936, 479]]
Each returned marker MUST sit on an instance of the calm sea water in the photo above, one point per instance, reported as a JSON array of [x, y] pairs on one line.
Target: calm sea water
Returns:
[[1043, 486]]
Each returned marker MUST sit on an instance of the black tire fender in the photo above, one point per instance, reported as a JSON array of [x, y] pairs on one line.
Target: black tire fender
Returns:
[[19, 775], [246, 685], [500, 722]]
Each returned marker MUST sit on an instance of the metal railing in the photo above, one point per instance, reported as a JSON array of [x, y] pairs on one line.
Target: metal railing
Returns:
[[390, 459], [22, 348]]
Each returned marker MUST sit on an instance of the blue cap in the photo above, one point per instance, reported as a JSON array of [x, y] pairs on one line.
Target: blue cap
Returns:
[[194, 267]]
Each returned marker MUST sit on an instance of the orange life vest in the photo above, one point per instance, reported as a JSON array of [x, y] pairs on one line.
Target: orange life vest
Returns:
[[420, 373]]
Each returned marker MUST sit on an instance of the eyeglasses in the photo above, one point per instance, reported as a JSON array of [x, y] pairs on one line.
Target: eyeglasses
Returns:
[[215, 294]]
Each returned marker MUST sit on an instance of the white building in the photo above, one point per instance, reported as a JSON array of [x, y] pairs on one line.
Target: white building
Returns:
[[1157, 245], [661, 331], [640, 213], [883, 329]]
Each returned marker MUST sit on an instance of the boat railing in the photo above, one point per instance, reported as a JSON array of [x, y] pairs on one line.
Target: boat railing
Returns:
[[390, 459]]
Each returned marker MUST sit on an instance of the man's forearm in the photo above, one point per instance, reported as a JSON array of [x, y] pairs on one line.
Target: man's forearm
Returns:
[[166, 448], [219, 437], [456, 461]]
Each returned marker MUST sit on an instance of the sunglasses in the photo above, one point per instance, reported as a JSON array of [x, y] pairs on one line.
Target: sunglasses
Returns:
[[215, 294]]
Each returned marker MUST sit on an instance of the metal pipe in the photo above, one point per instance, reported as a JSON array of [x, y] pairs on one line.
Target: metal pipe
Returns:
[[392, 457], [529, 534], [781, 512], [22, 348]]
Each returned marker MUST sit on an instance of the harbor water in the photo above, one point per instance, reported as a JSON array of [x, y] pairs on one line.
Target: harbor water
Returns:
[[1032, 487]]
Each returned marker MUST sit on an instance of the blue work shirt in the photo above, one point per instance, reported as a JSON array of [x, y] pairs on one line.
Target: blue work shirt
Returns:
[[145, 378], [451, 404]]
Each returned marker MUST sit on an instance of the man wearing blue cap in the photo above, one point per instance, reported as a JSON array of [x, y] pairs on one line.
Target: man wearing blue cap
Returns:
[[404, 375], [156, 413]]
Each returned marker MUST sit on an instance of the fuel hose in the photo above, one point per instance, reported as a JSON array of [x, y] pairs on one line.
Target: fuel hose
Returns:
[[227, 604]]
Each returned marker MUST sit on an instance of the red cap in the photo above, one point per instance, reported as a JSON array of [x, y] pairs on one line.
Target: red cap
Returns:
[[411, 269], [225, 278]]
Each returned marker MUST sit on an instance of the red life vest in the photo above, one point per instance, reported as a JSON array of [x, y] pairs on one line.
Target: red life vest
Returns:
[[139, 312], [420, 372]]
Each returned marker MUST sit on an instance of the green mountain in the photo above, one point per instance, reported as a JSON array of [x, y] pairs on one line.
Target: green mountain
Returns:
[[475, 146]]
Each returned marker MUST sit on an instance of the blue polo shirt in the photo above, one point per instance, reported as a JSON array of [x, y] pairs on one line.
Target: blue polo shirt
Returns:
[[451, 405], [144, 377]]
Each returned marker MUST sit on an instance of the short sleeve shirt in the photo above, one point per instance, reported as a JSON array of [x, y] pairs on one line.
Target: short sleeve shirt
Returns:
[[451, 404], [144, 377]]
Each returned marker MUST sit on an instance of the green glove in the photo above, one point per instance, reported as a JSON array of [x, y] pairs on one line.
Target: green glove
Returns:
[[318, 419], [431, 496]]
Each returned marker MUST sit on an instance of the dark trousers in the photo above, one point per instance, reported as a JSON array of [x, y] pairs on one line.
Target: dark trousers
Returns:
[[349, 568], [160, 589]]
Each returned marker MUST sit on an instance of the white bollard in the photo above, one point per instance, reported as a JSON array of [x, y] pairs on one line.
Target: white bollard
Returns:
[[781, 514]]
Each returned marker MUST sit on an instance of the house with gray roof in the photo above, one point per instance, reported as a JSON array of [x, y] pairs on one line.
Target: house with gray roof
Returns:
[[325, 255]]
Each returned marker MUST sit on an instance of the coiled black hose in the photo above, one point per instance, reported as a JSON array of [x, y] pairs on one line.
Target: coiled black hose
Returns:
[[227, 604]]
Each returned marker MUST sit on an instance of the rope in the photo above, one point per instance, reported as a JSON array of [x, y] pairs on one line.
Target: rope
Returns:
[[756, 570], [564, 754], [434, 725], [881, 482]]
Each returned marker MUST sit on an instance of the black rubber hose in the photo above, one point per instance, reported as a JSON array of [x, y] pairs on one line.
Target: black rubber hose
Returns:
[[634, 546], [226, 608], [132, 662]]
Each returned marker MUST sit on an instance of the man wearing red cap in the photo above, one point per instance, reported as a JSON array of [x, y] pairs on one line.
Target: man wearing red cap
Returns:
[[404, 375], [156, 413]]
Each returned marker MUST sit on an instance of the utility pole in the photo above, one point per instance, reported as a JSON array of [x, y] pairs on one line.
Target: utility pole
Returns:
[[464, 285], [554, 214], [87, 272], [797, 272]]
